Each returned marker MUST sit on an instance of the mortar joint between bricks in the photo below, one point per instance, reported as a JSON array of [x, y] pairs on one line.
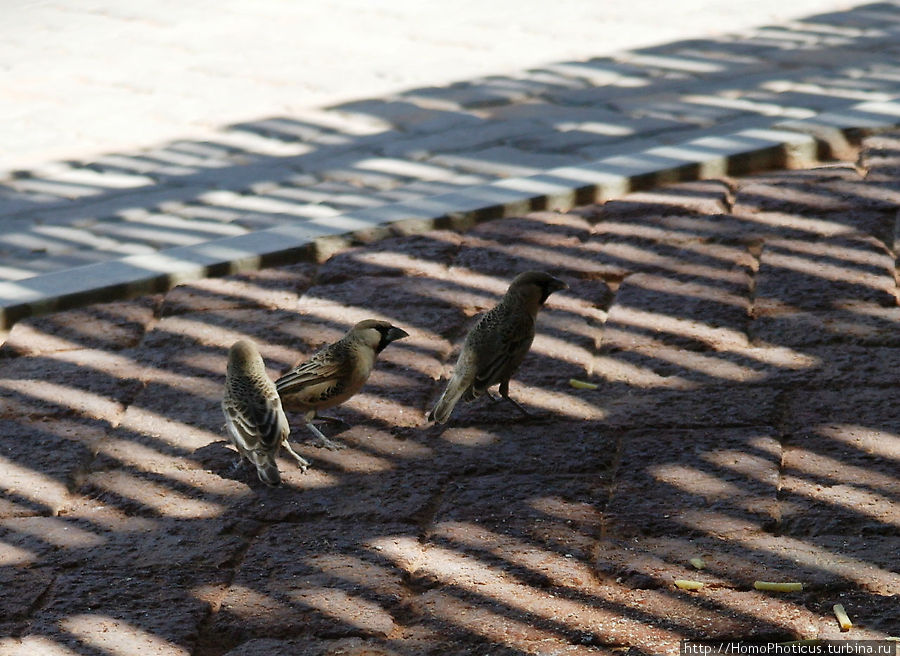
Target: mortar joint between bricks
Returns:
[[426, 515], [777, 514], [614, 469], [40, 602], [730, 197], [754, 248], [205, 625]]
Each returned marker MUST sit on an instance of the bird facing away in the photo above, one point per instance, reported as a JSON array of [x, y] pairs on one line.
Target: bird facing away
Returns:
[[256, 422], [498, 343], [335, 372]]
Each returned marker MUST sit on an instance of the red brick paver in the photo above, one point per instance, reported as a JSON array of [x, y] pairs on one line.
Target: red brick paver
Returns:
[[743, 334]]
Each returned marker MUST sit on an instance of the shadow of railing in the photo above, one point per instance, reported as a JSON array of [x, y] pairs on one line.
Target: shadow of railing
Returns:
[[743, 337]]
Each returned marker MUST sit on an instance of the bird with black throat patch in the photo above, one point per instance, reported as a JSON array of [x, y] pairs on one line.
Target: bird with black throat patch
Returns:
[[497, 344], [336, 372], [256, 423]]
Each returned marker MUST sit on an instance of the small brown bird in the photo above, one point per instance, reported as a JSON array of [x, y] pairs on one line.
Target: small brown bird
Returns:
[[335, 372], [257, 425], [498, 343]]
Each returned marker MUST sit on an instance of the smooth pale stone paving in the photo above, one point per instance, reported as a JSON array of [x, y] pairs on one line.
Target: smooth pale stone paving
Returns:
[[301, 144]]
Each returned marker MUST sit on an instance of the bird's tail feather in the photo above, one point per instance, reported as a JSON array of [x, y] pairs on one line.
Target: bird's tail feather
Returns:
[[442, 409], [266, 468]]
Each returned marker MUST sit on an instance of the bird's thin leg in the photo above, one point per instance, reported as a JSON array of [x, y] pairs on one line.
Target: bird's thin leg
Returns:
[[520, 408], [302, 462], [328, 444], [238, 465], [504, 392], [493, 398], [331, 420]]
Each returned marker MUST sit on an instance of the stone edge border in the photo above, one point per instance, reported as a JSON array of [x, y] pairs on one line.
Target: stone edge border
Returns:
[[787, 144]]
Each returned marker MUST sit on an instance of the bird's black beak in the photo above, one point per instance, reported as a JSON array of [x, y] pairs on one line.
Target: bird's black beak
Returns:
[[552, 285], [394, 333], [557, 285]]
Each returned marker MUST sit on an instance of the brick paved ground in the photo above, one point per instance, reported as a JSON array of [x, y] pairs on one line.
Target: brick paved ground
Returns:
[[743, 334], [281, 163]]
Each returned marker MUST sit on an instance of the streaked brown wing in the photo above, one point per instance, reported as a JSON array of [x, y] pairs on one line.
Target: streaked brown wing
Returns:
[[507, 358], [324, 366], [256, 422], [272, 423], [510, 340]]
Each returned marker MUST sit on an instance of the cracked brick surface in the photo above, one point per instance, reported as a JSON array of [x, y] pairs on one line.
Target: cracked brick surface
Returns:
[[743, 413]]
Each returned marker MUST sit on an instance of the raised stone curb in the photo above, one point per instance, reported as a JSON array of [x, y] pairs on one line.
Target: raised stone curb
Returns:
[[789, 144], [840, 131]]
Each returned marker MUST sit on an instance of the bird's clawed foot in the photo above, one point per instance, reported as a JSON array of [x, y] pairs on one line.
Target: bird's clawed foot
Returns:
[[332, 445], [302, 462], [331, 420], [519, 407], [325, 442], [504, 394]]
